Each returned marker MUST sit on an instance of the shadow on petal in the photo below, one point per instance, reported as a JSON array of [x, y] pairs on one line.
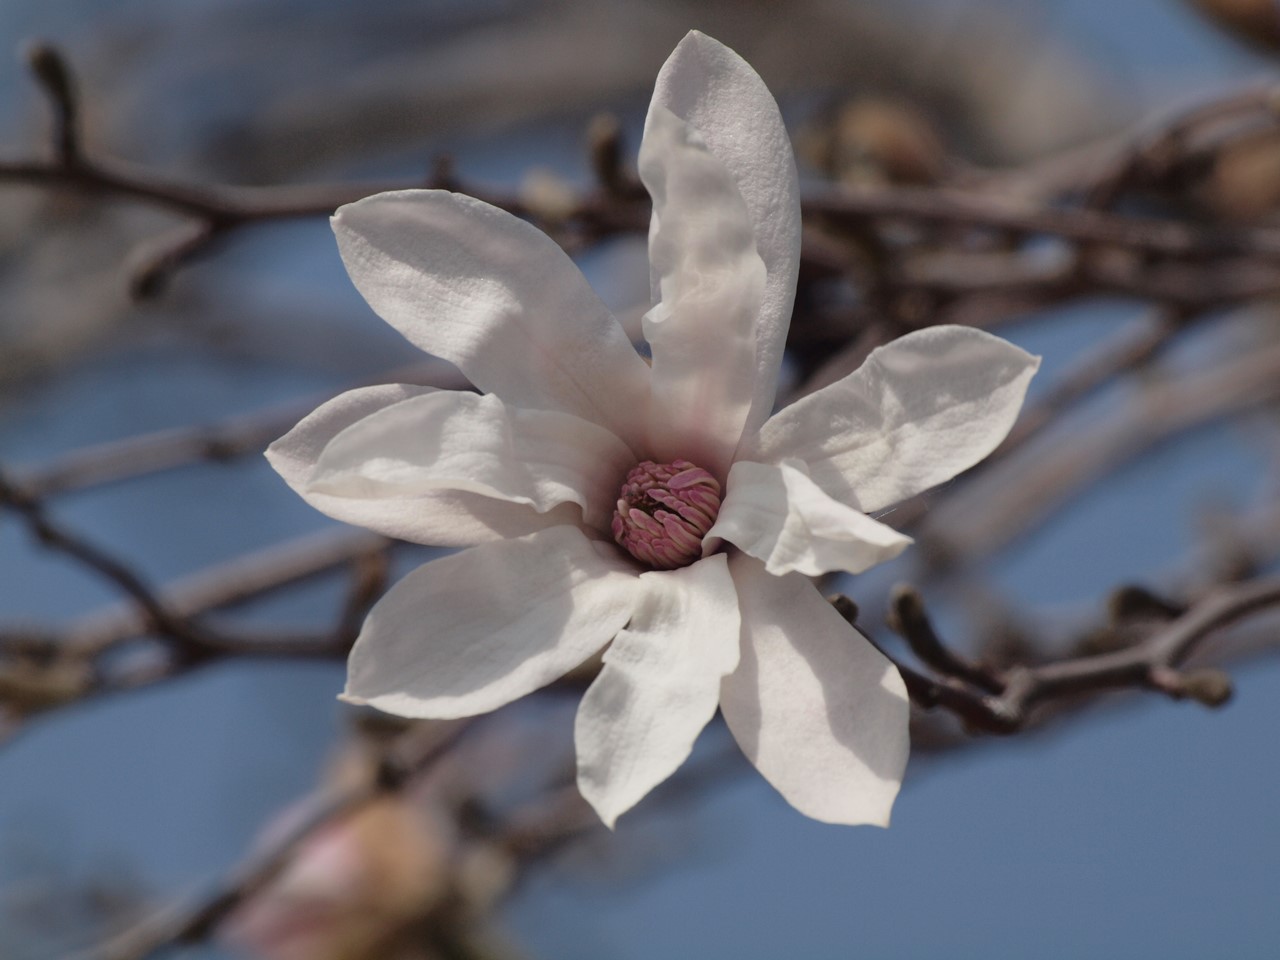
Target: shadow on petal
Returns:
[[818, 710]]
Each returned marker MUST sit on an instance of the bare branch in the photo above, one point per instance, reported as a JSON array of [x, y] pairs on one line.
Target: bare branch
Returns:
[[160, 618], [245, 578], [1151, 664], [167, 449]]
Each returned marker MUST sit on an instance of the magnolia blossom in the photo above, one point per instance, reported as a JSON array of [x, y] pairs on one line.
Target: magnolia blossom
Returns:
[[654, 510]]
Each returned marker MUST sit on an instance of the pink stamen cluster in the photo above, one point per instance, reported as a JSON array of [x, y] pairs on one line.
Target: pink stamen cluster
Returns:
[[664, 511]]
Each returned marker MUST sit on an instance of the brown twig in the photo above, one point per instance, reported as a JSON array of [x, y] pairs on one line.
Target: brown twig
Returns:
[[54, 76], [48, 668], [616, 206], [1002, 701], [1152, 155], [249, 577], [1166, 238], [194, 637]]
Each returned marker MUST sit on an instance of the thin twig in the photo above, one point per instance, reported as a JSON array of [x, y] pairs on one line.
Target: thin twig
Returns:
[[249, 577], [1150, 664], [54, 76], [949, 206], [194, 637], [229, 439]]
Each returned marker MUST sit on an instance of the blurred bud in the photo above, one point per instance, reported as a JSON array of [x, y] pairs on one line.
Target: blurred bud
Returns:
[[1134, 602], [844, 606], [1208, 686], [485, 874], [1254, 21], [548, 196], [29, 687], [604, 146], [50, 69], [1244, 181], [1211, 687], [352, 890], [872, 140]]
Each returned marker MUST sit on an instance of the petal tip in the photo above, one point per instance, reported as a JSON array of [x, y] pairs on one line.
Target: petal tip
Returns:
[[704, 42], [606, 812], [274, 454]]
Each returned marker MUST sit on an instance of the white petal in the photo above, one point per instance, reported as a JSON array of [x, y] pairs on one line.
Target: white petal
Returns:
[[702, 331], [777, 514], [452, 440], [818, 710], [446, 518], [470, 632], [919, 411], [712, 89], [659, 686], [494, 295]]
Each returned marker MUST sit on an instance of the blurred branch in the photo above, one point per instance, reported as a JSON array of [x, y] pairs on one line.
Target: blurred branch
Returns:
[[950, 206], [1227, 262], [45, 668], [230, 439], [156, 612], [1153, 157], [248, 577], [1014, 501]]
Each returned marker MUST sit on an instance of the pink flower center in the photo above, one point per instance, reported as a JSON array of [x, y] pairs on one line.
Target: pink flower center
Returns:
[[664, 511]]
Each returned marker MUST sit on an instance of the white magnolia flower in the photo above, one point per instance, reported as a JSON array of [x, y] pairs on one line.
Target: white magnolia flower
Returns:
[[655, 509]]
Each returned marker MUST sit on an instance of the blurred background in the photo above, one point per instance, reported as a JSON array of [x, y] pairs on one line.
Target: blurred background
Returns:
[[1135, 826]]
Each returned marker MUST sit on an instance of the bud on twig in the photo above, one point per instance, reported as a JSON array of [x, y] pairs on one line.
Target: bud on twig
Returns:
[[1256, 22], [1133, 602], [604, 144], [1208, 686], [54, 76], [845, 607], [907, 617]]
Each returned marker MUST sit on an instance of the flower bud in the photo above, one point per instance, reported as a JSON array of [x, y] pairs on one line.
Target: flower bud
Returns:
[[1256, 22]]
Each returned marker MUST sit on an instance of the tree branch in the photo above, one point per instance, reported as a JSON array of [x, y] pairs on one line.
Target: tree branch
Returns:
[[1001, 701]]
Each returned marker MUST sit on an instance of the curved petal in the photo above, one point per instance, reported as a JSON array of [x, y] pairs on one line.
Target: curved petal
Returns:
[[919, 411], [777, 514], [702, 331], [713, 90], [447, 518], [659, 685], [497, 297], [463, 441], [819, 711], [470, 632]]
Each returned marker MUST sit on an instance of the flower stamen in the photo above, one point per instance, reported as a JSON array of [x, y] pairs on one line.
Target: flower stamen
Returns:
[[664, 510]]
